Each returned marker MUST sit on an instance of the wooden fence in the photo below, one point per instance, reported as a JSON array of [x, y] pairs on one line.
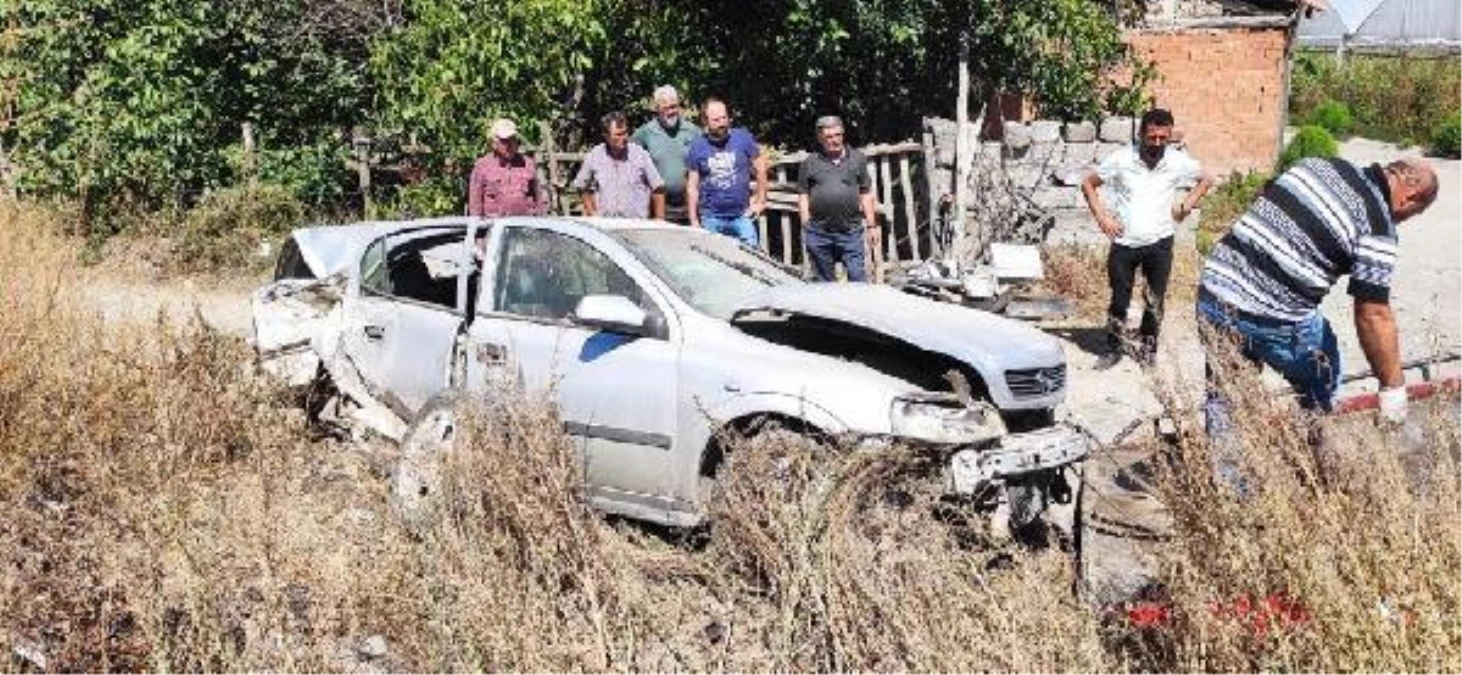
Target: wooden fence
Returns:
[[896, 172]]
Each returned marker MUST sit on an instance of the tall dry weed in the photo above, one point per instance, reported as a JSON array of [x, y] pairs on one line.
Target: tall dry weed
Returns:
[[167, 510], [1340, 550]]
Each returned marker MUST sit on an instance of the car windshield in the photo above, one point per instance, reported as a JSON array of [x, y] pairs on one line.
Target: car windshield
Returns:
[[712, 273]]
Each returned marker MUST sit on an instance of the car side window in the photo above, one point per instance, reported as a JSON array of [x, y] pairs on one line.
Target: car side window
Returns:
[[373, 268], [419, 268], [544, 274]]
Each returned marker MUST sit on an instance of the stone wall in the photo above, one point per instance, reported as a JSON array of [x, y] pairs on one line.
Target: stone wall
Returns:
[[1044, 160]]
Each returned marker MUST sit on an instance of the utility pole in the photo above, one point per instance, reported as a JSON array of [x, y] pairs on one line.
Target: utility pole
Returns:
[[962, 149]]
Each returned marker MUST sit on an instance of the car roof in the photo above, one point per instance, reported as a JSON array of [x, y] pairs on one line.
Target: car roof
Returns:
[[329, 249]]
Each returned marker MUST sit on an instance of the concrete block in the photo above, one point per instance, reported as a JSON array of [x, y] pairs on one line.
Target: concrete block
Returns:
[[1104, 149], [1077, 154], [1057, 197], [1118, 130], [1045, 131], [1017, 136], [1079, 132]]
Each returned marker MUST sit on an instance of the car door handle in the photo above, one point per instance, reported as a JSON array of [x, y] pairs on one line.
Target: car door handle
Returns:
[[375, 332], [491, 354]]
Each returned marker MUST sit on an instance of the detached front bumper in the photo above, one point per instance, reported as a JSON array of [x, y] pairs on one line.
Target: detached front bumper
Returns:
[[1017, 454]]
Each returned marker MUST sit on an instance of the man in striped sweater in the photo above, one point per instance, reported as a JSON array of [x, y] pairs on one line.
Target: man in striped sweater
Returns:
[[1263, 282]]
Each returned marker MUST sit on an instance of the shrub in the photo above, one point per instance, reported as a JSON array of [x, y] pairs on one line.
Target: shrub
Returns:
[[224, 230], [1225, 204], [1447, 136], [1390, 98], [1334, 116], [1311, 141]]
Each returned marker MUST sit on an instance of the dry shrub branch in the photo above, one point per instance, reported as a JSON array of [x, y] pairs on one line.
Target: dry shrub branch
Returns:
[[166, 509]]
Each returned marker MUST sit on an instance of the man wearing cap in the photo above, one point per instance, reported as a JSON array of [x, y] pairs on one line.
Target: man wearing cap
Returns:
[[836, 204], [718, 187], [667, 137], [505, 182], [618, 179]]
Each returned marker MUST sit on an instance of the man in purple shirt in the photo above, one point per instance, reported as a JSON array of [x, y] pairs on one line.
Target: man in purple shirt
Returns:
[[505, 182], [619, 179]]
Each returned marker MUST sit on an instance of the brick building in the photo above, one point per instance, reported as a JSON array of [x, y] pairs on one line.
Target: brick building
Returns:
[[1222, 70]]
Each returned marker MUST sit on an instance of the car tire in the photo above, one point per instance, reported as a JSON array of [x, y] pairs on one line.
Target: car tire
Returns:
[[768, 431], [417, 478]]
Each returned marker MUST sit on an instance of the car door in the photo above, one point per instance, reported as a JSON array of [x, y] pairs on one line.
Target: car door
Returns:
[[405, 319], [616, 392]]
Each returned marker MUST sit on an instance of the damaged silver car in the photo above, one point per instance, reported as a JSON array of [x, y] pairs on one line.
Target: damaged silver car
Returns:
[[653, 339]]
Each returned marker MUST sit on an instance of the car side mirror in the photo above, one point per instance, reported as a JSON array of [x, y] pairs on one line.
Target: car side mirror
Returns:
[[614, 313]]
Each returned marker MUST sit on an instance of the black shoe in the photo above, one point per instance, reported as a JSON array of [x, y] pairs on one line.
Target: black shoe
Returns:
[[1146, 359], [1108, 360]]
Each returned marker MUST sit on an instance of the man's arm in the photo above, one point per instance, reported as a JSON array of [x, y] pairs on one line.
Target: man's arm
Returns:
[[657, 203], [1105, 221], [474, 192], [804, 208], [1185, 207], [693, 196], [584, 183], [759, 202], [872, 236], [1375, 325], [590, 206]]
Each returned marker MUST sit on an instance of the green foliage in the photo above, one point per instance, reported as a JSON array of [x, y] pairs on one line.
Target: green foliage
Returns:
[[1224, 205], [1334, 116], [1447, 136], [137, 105], [1390, 98], [1310, 141], [130, 104], [224, 230]]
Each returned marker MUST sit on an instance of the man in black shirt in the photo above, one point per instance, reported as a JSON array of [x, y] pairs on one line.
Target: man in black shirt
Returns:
[[836, 204]]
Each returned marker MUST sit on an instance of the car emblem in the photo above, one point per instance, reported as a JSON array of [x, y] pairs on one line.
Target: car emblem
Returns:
[[1049, 381]]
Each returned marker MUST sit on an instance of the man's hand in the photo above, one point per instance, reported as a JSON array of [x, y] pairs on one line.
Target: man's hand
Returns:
[[756, 208], [1181, 210], [873, 239], [1109, 226], [1393, 404]]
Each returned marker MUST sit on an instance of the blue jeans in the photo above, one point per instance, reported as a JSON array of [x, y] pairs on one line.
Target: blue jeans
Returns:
[[740, 227], [827, 248], [1305, 353]]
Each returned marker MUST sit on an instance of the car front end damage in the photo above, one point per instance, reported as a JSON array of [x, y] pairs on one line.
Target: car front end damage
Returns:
[[983, 454]]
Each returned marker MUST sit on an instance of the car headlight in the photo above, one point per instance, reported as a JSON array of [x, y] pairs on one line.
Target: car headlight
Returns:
[[943, 419]]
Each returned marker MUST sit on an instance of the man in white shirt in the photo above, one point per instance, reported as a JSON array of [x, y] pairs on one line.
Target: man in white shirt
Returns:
[[1143, 181]]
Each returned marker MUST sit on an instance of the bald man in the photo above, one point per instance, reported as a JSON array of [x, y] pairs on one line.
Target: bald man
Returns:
[[1262, 283]]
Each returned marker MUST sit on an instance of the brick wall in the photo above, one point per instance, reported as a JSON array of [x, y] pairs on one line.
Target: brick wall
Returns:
[[1225, 88]]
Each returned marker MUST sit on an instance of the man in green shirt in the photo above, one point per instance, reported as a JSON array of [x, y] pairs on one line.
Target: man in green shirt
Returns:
[[667, 137]]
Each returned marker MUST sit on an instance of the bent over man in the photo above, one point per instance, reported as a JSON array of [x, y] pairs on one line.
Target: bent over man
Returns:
[[1262, 284], [1143, 180]]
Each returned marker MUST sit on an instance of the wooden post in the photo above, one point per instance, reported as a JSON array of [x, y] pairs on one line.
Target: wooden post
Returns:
[[906, 185], [931, 166], [548, 154], [782, 220], [961, 151], [361, 144], [890, 240], [251, 174]]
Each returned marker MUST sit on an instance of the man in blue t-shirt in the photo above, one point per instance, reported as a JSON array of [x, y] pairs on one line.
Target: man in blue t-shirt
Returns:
[[720, 164]]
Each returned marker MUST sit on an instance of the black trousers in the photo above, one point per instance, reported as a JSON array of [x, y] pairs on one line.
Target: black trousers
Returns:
[[1155, 260]]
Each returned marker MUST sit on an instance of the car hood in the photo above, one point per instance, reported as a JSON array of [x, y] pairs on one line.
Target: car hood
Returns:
[[970, 335]]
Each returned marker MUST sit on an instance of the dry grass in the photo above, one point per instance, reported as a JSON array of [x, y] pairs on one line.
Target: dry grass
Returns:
[[1079, 273], [167, 510]]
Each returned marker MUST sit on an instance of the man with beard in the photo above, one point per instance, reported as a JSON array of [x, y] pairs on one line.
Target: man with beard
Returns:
[[667, 137], [718, 185], [617, 179], [1143, 181]]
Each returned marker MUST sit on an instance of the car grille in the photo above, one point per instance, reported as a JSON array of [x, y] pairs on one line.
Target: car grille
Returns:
[[1036, 382]]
